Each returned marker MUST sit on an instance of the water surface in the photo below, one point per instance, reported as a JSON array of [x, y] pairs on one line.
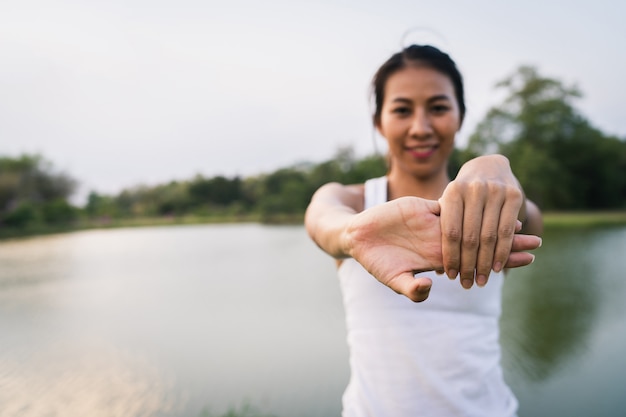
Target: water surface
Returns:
[[172, 321]]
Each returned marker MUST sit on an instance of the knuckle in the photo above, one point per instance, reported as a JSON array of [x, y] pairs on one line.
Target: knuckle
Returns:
[[453, 235], [454, 186], [488, 237], [507, 231], [514, 193], [477, 188], [496, 189], [470, 241]]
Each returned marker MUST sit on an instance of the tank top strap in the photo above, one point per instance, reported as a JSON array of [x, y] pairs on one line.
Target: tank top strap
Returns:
[[375, 191]]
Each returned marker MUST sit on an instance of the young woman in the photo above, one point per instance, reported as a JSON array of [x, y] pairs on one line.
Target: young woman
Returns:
[[439, 357]]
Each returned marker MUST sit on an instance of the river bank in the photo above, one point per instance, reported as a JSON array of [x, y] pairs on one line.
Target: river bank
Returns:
[[551, 220]]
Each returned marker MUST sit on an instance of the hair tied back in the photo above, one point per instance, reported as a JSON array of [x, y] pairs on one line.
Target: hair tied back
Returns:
[[422, 35]]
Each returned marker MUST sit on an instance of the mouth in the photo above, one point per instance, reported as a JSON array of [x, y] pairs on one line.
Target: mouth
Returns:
[[422, 151]]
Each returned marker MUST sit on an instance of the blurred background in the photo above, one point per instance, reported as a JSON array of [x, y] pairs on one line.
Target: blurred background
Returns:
[[220, 120]]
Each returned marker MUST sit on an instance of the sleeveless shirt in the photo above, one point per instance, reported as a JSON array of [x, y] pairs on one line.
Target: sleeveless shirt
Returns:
[[440, 357]]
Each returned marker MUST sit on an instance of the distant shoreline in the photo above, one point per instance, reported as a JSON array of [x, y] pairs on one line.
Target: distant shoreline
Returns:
[[584, 219], [552, 220]]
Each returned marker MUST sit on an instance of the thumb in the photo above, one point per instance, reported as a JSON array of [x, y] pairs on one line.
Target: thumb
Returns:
[[433, 206], [416, 289]]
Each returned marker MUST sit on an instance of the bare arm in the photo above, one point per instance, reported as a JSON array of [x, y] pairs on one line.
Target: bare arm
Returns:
[[533, 223], [392, 241], [328, 215]]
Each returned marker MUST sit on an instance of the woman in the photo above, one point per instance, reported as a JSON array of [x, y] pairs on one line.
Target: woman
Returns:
[[440, 357]]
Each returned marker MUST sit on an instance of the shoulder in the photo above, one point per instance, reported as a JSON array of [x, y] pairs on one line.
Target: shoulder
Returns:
[[351, 195]]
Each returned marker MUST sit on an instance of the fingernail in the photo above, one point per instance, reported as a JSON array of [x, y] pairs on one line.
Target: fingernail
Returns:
[[467, 283], [481, 280], [533, 260], [424, 290], [540, 242], [497, 267], [452, 274]]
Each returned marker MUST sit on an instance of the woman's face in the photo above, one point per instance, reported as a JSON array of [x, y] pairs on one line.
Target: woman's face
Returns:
[[419, 118]]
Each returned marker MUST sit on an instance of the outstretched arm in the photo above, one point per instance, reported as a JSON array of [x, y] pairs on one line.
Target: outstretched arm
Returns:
[[331, 209], [392, 241]]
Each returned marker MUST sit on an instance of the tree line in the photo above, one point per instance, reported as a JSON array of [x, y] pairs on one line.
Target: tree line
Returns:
[[562, 161]]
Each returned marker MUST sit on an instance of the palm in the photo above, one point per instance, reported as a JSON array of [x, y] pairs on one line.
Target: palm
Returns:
[[395, 240]]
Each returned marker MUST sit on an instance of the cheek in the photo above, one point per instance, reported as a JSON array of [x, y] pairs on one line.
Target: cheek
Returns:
[[386, 130], [450, 128]]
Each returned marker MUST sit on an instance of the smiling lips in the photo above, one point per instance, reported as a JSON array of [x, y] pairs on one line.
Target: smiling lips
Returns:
[[422, 151]]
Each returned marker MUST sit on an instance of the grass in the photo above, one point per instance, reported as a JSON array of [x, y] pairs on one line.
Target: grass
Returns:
[[552, 220], [584, 219]]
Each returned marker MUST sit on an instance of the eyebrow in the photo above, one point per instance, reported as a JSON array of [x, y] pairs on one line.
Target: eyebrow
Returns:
[[431, 99]]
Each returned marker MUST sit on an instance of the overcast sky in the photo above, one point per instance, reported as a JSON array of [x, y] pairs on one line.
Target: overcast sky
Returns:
[[124, 92]]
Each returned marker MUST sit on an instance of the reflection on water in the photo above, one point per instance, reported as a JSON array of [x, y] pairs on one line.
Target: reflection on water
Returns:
[[170, 322], [549, 310], [554, 314], [97, 381], [55, 362], [173, 321]]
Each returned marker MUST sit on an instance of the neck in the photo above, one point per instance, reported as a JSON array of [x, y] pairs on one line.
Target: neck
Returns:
[[403, 185]]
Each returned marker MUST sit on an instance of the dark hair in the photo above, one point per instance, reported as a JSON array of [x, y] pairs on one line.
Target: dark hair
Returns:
[[424, 55]]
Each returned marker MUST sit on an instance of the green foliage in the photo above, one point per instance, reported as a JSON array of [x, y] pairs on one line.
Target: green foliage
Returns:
[[279, 196], [58, 211], [33, 195], [218, 190], [561, 160], [21, 217]]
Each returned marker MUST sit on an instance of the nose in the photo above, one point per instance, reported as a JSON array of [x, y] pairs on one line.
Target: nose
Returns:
[[420, 125]]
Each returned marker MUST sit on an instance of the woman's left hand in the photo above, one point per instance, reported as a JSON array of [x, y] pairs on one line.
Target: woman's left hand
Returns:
[[479, 217]]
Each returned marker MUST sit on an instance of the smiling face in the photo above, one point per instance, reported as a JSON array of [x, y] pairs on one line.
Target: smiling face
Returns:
[[419, 118]]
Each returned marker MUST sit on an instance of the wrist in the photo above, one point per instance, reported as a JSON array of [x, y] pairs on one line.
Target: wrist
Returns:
[[347, 237]]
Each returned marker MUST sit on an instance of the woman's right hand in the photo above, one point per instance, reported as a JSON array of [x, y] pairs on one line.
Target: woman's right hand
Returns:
[[396, 240], [392, 241], [400, 238]]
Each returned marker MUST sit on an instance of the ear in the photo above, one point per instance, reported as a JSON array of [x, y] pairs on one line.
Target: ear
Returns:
[[376, 122]]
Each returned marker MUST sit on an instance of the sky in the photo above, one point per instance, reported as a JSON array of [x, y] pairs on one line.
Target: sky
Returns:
[[120, 93]]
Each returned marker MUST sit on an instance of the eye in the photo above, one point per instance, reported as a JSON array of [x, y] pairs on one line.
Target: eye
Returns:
[[440, 108], [401, 111]]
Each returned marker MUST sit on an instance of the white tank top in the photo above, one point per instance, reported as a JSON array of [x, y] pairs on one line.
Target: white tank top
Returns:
[[438, 358]]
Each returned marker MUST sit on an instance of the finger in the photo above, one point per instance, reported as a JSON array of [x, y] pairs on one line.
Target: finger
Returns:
[[525, 242], [472, 225], [517, 259], [488, 239], [451, 232], [506, 231], [416, 289]]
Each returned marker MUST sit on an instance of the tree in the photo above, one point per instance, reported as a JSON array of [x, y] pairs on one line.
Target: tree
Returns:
[[561, 160], [32, 191]]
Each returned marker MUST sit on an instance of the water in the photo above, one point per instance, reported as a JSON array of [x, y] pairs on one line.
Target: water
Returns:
[[193, 320], [564, 326]]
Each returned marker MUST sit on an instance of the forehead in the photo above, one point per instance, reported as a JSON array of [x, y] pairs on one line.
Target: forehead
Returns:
[[418, 81]]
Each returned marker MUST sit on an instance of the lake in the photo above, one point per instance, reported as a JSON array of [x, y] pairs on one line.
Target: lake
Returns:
[[196, 320]]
